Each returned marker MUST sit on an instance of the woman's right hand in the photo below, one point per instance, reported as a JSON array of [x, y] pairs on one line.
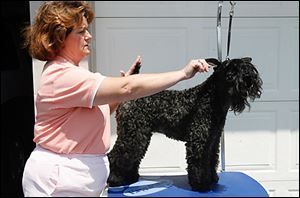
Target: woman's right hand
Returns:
[[194, 66]]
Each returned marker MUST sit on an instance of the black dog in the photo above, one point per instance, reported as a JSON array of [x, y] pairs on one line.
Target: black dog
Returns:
[[196, 116]]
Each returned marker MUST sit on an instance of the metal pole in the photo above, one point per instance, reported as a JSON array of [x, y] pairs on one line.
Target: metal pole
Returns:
[[219, 48]]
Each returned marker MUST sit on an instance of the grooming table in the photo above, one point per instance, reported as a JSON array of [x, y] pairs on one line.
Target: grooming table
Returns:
[[231, 184]]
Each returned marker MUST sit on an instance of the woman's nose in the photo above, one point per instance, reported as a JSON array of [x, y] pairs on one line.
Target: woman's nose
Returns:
[[88, 35]]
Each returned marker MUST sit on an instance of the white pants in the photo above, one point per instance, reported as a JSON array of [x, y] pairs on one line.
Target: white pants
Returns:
[[50, 174]]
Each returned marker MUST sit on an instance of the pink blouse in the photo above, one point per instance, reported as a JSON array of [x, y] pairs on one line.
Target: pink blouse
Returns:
[[66, 120]]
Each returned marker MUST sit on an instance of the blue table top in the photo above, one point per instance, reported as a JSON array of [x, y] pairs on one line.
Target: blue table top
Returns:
[[231, 184]]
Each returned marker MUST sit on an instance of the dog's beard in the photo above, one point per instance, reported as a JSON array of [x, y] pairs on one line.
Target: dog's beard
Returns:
[[248, 89]]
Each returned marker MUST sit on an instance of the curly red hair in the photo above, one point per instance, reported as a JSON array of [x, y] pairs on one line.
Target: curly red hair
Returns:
[[53, 23]]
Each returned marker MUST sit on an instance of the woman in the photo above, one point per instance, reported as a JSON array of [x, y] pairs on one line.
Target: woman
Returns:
[[72, 129]]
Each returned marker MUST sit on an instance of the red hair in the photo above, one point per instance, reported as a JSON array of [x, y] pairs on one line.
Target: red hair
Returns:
[[53, 23]]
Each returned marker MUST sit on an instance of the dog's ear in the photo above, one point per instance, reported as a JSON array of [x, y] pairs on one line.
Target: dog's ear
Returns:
[[213, 62], [247, 59]]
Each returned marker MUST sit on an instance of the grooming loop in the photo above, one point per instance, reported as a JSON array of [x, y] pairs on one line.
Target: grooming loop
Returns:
[[219, 48]]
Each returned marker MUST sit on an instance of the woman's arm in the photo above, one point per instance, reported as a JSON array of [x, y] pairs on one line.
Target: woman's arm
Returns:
[[119, 89]]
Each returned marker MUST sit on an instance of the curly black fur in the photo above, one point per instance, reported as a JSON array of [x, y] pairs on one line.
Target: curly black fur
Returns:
[[196, 116]]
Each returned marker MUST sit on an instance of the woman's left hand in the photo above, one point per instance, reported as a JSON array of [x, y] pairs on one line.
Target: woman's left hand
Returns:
[[133, 69]]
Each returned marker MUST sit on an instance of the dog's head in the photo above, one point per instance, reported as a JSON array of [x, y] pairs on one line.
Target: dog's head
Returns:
[[239, 79]]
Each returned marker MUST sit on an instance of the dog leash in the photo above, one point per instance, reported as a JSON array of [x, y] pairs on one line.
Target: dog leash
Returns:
[[219, 48]]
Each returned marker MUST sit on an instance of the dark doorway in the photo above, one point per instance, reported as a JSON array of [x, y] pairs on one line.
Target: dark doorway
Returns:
[[17, 98]]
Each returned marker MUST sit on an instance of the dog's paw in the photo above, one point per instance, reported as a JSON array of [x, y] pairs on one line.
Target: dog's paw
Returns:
[[114, 180], [202, 187], [205, 182], [215, 178], [118, 180]]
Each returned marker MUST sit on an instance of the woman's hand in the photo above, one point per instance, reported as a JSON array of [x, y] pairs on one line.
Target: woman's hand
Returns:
[[133, 69], [194, 66]]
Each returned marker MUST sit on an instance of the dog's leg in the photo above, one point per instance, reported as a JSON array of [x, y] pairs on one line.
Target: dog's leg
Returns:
[[126, 155], [199, 161], [214, 149]]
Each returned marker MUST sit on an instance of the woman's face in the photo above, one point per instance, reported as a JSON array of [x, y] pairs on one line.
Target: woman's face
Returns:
[[77, 43]]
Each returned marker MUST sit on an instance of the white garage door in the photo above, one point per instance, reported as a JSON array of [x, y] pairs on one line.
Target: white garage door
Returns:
[[263, 143]]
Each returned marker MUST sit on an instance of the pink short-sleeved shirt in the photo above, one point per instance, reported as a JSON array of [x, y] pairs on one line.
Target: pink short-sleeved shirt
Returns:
[[66, 120]]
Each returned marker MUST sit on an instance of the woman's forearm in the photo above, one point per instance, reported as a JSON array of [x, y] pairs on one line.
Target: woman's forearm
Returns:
[[147, 84]]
